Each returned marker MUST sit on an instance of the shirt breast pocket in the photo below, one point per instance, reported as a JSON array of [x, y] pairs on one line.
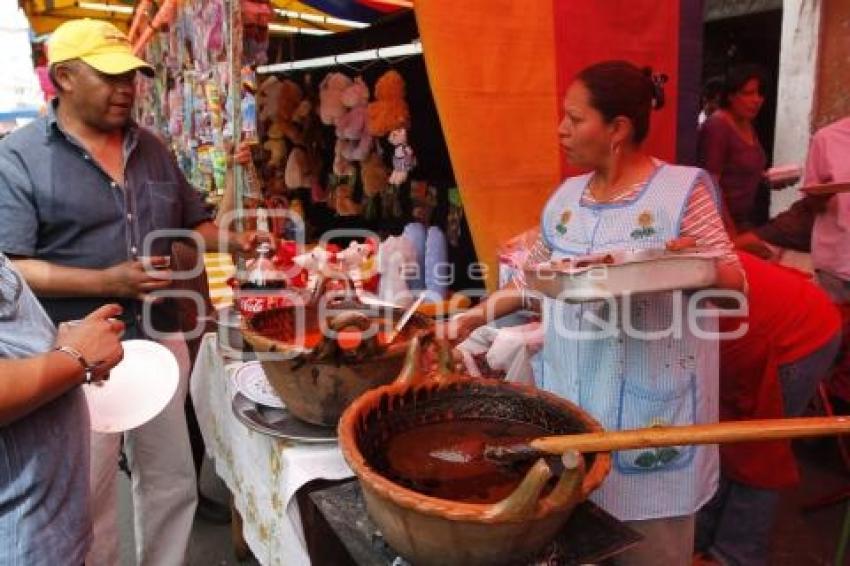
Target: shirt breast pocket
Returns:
[[164, 204], [646, 404]]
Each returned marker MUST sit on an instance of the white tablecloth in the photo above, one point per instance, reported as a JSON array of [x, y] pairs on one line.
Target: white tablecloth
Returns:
[[262, 472]]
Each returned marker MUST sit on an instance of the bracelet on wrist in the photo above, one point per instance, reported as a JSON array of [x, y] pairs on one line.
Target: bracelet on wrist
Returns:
[[75, 354]]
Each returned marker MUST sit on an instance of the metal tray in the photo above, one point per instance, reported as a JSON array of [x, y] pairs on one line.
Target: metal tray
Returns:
[[626, 272], [279, 423]]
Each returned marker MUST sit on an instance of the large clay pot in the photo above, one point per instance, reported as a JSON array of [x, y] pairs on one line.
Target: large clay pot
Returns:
[[434, 531], [317, 383]]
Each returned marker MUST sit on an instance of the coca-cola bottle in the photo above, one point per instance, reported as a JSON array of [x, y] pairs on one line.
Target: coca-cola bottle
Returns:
[[262, 273]]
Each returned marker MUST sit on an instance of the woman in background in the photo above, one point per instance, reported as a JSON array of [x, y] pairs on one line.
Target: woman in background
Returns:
[[729, 148]]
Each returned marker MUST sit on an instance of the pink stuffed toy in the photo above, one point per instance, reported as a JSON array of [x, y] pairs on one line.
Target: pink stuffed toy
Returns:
[[331, 88]]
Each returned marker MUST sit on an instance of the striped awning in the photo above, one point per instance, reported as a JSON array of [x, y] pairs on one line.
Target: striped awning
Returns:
[[47, 15]]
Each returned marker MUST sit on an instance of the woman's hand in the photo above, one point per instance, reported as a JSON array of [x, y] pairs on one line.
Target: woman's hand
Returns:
[[97, 338], [680, 244], [458, 328]]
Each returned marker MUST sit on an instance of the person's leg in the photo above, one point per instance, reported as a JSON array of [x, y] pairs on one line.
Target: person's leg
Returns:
[[799, 380], [742, 535], [668, 541], [709, 516], [163, 475], [103, 499], [744, 522]]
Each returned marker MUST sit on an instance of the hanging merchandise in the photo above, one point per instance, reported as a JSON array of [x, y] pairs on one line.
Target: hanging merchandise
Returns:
[[389, 109], [403, 158], [298, 174], [374, 176], [256, 15], [249, 106], [389, 114], [351, 126], [190, 100], [164, 17], [342, 167], [436, 260], [423, 198], [394, 255], [330, 97], [416, 234], [455, 218], [141, 19]]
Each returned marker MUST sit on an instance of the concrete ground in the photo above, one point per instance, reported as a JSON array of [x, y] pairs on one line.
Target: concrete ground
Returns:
[[802, 538]]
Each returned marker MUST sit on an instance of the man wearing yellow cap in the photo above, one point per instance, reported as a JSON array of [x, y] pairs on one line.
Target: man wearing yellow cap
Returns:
[[85, 193]]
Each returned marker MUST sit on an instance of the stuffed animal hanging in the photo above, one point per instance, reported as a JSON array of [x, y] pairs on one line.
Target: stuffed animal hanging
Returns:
[[351, 126], [389, 114], [275, 145], [403, 158], [267, 98], [331, 88], [389, 110], [374, 175]]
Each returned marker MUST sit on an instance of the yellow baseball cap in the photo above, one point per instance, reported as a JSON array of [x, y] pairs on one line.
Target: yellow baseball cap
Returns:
[[99, 44]]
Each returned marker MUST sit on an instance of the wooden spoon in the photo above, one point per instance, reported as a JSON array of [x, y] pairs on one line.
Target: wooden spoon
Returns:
[[718, 433]]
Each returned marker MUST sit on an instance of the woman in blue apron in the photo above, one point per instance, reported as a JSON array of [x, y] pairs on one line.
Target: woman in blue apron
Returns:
[[655, 368]]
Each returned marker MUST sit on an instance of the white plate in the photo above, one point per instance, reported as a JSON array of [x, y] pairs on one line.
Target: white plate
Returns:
[[137, 390], [250, 380]]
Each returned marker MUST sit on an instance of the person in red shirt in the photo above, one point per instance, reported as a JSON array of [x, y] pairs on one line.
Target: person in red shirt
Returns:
[[771, 371]]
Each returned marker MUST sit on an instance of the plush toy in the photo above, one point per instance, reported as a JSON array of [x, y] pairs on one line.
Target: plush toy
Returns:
[[374, 176], [424, 200], [267, 99], [351, 126], [403, 158], [394, 256], [358, 261], [345, 205], [330, 97], [276, 145], [289, 102], [342, 167], [389, 110], [283, 260], [416, 234], [436, 260], [298, 172]]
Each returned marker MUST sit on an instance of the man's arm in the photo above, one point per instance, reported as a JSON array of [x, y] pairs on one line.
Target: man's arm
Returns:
[[128, 279], [223, 240], [27, 384]]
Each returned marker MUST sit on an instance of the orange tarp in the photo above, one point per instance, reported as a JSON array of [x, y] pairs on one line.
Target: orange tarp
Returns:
[[644, 32], [491, 65], [498, 71]]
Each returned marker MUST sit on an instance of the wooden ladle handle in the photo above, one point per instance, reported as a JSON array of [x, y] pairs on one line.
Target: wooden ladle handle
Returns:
[[718, 433]]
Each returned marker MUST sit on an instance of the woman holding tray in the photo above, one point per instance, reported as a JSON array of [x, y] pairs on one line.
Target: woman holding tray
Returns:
[[640, 374]]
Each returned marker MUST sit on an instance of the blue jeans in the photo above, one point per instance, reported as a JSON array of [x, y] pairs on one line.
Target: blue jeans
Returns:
[[735, 526]]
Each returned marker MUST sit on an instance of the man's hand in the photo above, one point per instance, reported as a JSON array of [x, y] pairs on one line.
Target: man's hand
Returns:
[[818, 203], [131, 280], [247, 241], [242, 154], [97, 337], [750, 242]]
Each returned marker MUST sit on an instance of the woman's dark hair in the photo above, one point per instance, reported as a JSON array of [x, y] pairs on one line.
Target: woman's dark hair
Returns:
[[736, 77], [619, 88]]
